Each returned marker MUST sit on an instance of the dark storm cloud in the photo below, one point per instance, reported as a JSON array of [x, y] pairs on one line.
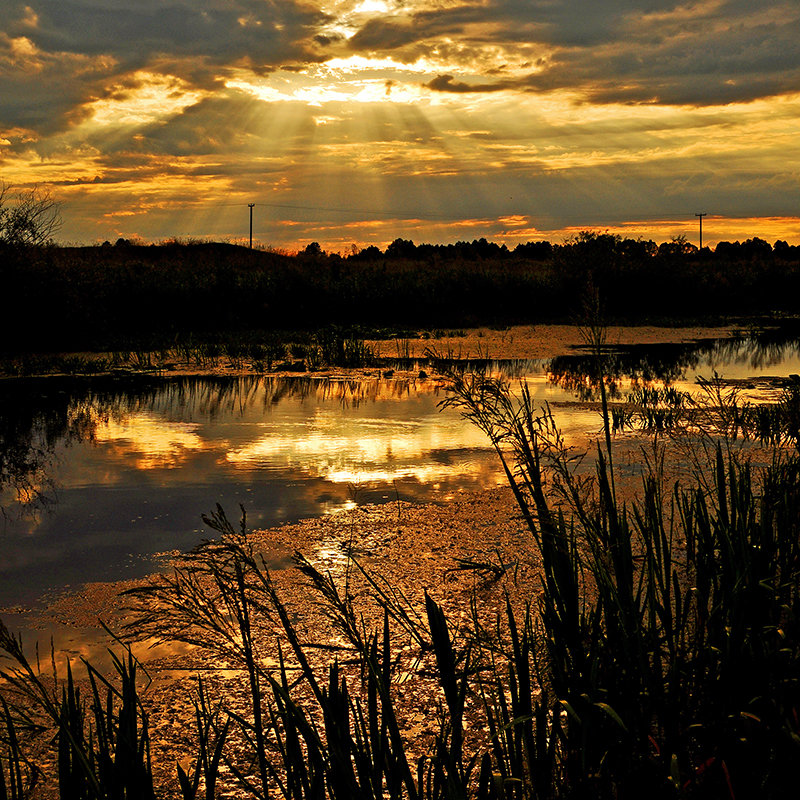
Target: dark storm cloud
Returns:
[[446, 83], [41, 91], [381, 34], [572, 23], [222, 32], [226, 123], [694, 61], [631, 51], [58, 54]]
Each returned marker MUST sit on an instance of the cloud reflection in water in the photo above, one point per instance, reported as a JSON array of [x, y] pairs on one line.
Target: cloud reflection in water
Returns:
[[136, 480]]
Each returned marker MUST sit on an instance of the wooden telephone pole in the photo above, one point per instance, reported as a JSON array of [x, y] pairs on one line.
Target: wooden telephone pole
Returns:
[[250, 206], [701, 227]]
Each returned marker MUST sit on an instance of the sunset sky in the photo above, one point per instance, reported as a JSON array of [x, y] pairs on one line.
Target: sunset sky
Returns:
[[354, 122]]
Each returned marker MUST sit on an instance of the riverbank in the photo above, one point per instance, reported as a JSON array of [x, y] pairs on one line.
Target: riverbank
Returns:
[[473, 547], [539, 341], [146, 297], [299, 355], [534, 342], [472, 555]]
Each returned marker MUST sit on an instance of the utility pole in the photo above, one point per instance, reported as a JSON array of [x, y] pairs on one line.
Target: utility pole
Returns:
[[250, 206], [701, 227]]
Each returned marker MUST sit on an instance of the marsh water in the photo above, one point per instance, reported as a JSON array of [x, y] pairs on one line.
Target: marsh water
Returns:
[[103, 478]]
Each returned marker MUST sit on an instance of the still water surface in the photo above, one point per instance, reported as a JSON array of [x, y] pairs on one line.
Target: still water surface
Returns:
[[125, 473], [121, 472]]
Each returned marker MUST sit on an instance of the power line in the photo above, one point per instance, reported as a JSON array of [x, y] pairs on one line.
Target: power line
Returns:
[[563, 219], [624, 220], [429, 215], [353, 210]]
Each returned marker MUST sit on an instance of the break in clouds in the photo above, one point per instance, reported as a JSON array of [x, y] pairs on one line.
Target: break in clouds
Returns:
[[57, 55]]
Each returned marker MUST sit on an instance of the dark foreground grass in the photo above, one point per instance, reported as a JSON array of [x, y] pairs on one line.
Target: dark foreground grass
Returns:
[[657, 656]]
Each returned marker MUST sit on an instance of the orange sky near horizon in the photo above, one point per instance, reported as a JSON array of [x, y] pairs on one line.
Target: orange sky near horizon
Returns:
[[355, 122]]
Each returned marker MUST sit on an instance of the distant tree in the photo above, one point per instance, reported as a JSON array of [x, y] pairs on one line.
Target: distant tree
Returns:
[[786, 251], [755, 248], [28, 217], [727, 249], [313, 249], [590, 254], [425, 252], [481, 248], [677, 246], [595, 245], [749, 250], [536, 251], [367, 253], [638, 249], [401, 248]]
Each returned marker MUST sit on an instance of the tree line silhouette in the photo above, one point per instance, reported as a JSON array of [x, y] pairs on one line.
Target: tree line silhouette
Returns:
[[605, 244], [103, 296]]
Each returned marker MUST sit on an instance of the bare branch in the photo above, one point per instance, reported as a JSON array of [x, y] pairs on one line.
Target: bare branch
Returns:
[[28, 217]]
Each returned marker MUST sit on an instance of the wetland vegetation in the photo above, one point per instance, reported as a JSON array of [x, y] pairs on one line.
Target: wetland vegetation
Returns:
[[654, 651]]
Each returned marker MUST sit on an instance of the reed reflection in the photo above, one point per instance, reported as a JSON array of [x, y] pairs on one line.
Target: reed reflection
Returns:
[[135, 462], [628, 368]]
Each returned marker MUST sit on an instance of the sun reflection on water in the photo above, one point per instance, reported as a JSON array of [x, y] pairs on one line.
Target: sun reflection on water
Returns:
[[151, 442]]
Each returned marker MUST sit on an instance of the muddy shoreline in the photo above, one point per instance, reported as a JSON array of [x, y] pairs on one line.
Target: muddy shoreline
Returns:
[[542, 341], [519, 342]]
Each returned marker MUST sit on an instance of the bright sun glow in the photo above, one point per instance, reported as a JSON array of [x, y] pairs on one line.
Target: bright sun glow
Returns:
[[150, 98], [371, 7], [360, 64], [339, 86]]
